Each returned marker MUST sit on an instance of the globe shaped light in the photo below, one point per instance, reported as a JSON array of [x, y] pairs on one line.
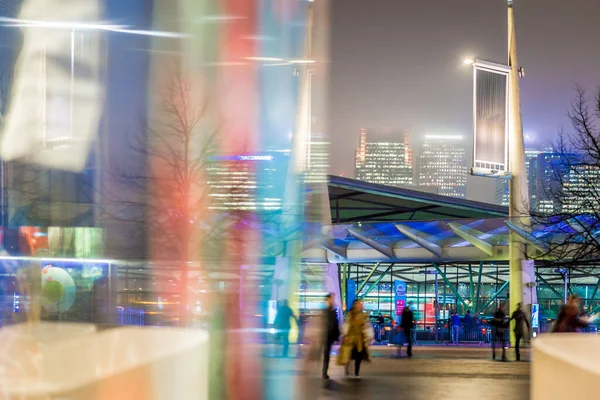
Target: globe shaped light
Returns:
[[58, 289]]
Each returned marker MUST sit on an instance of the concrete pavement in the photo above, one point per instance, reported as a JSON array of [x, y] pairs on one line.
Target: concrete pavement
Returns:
[[433, 372]]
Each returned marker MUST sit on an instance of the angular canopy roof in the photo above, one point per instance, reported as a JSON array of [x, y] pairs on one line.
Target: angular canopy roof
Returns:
[[382, 224], [352, 201]]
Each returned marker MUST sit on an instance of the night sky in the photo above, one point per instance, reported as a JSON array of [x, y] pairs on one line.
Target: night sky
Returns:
[[398, 64]]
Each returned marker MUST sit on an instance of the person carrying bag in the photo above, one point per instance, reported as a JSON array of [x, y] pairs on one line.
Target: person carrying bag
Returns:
[[358, 335]]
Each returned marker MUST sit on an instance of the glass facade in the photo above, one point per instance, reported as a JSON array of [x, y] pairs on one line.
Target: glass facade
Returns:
[[443, 164], [460, 289], [385, 162]]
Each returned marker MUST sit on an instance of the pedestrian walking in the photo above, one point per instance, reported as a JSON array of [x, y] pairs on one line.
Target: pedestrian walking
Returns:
[[499, 325], [283, 325], [520, 319], [408, 324], [358, 333], [331, 332], [569, 319]]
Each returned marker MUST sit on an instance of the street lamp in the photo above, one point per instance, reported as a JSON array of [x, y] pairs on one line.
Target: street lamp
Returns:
[[518, 189]]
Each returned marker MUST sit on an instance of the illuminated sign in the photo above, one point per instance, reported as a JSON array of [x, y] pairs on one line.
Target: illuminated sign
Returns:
[[255, 158], [400, 296], [490, 117], [535, 316], [16, 302], [244, 157]]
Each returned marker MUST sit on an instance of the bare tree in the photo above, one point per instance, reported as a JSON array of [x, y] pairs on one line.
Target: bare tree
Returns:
[[164, 183], [572, 188], [166, 165]]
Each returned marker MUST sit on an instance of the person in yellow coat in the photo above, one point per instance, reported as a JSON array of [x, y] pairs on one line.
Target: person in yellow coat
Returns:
[[358, 334]]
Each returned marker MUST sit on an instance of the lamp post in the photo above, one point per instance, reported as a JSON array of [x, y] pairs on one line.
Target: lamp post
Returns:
[[518, 190], [518, 207]]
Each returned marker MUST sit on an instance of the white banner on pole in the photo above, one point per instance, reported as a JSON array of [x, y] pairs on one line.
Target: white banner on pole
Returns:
[[57, 94], [490, 118]]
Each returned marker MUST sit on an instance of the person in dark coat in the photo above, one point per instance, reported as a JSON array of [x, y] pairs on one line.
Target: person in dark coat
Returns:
[[520, 319], [408, 324], [283, 325], [468, 320], [499, 325], [331, 332], [568, 317], [468, 323]]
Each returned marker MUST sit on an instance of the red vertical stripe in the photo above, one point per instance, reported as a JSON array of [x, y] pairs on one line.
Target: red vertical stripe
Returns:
[[238, 93]]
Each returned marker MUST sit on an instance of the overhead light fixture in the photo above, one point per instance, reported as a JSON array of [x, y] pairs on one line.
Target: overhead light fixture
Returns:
[[274, 59], [85, 26], [302, 61], [281, 64]]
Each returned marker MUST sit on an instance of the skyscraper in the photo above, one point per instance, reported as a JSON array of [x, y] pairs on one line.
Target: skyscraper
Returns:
[[566, 184], [443, 164], [245, 182], [408, 154], [384, 161], [318, 161], [361, 152], [557, 179], [581, 189], [502, 197], [531, 167]]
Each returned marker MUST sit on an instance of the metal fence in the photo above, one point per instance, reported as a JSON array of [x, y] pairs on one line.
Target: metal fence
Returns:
[[479, 334]]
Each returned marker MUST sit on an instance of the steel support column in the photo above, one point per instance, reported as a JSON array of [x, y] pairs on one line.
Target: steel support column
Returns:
[[558, 295], [594, 295], [449, 284], [379, 278], [518, 210], [361, 287], [478, 287], [344, 287], [471, 287], [495, 295]]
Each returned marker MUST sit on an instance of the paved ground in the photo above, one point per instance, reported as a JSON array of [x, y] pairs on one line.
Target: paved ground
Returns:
[[433, 373]]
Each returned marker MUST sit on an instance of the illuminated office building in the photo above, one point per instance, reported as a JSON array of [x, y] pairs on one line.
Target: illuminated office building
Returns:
[[502, 192], [361, 151], [384, 162], [581, 189], [408, 154], [531, 166], [531, 169], [233, 183], [443, 164], [548, 165], [318, 159], [565, 186]]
